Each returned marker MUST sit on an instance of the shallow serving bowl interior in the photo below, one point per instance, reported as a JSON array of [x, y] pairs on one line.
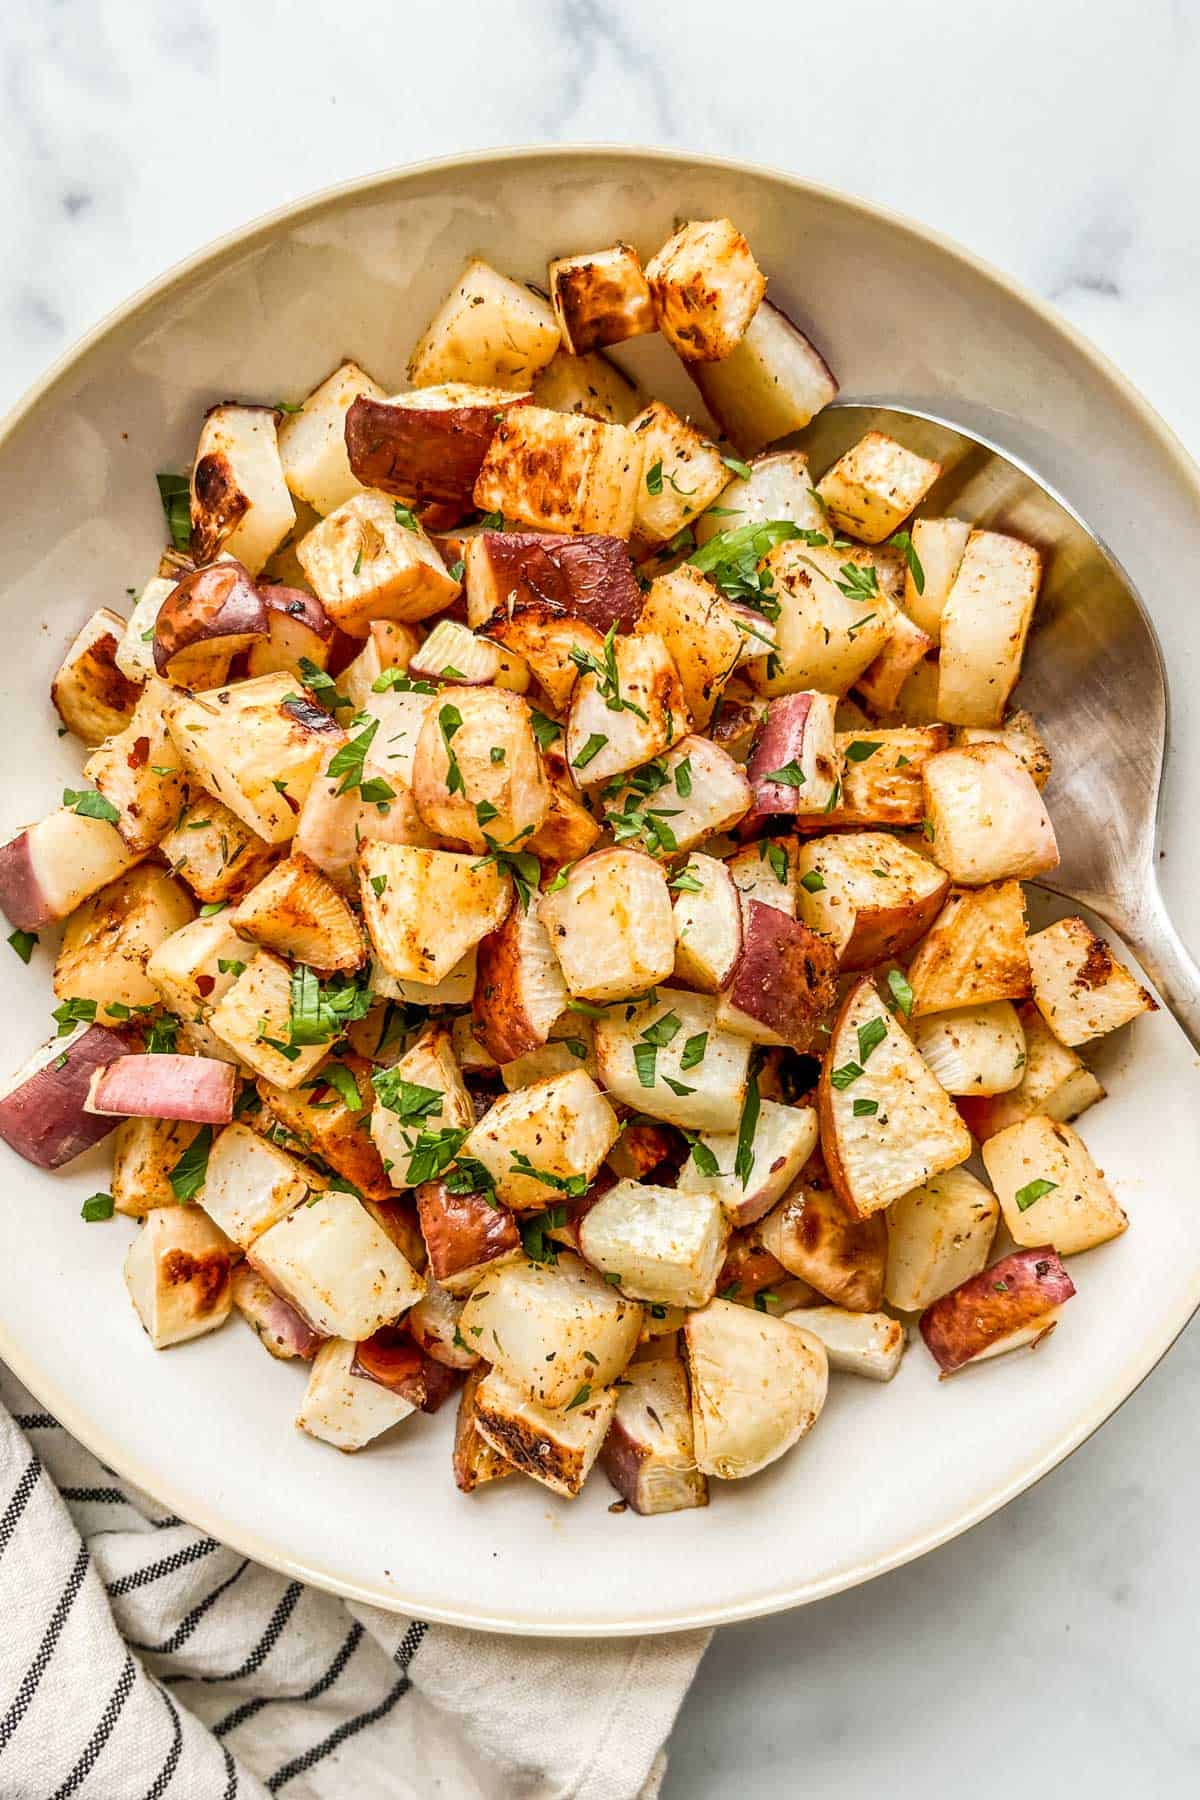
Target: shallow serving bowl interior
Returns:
[[903, 318]]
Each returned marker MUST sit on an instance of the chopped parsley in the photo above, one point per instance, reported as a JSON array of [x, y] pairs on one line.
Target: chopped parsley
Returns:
[[606, 673], [24, 943], [174, 492], [791, 775], [320, 1011], [861, 748], [450, 721], [545, 729], [901, 993], [743, 1162], [1033, 1191], [740, 469], [188, 1175], [90, 805], [591, 749], [903, 541], [813, 882], [100, 1206]]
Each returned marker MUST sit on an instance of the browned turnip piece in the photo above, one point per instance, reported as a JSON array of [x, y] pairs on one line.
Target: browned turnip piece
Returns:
[[553, 1328], [547, 1138], [706, 1096], [749, 1268], [657, 1243], [775, 381], [829, 629], [973, 1049], [874, 486], [177, 1272], [489, 329], [239, 498], [465, 1236], [48, 869], [975, 952], [253, 1018], [43, 1114], [342, 1409], [194, 1088], [811, 1235], [278, 1326], [986, 817], [392, 1358], [218, 604], [784, 984], [462, 791], [337, 1266], [795, 765], [1055, 1081], [425, 909], [368, 561], [708, 924], [556, 1448], [649, 1453], [214, 853], [295, 910], [454, 653], [428, 444], [145, 1153], [109, 940], [1079, 986], [611, 925], [1013, 1303], [887, 1124], [881, 683], [561, 472], [884, 788], [321, 1118], [91, 695], [683, 472], [707, 635], [869, 894], [1050, 1191], [627, 707], [587, 576], [434, 1322], [706, 287], [475, 1462], [298, 629], [519, 988], [784, 1138], [600, 298], [757, 1386]]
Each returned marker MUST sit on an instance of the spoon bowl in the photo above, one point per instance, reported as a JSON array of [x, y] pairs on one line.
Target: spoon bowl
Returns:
[[1093, 678]]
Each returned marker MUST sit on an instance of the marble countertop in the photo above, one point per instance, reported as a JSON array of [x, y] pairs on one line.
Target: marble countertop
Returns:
[[1058, 138]]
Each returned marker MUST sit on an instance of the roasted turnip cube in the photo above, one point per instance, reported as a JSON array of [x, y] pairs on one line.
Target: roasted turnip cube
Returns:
[[1050, 1190], [488, 330], [649, 1453], [1054, 1081], [299, 630], [938, 1236], [768, 872], [555, 1448], [706, 287], [465, 792], [872, 489], [404, 1102], [974, 1049], [253, 1017], [1079, 987], [454, 653], [177, 1272], [256, 745], [706, 635], [218, 856], [708, 924], [333, 825], [882, 682], [519, 988], [199, 1089], [1017, 733], [887, 1124], [858, 1343], [454, 989], [42, 1106], [427, 445], [657, 1243], [561, 472], [627, 707], [193, 968], [986, 818], [778, 486], [975, 951], [218, 608], [611, 925], [297, 912], [552, 1329], [135, 652], [391, 644], [757, 1386], [434, 1323], [592, 385], [569, 1047], [1014, 1303], [869, 894], [784, 1138], [600, 298], [251, 1184], [587, 577], [145, 1153], [641, 1050], [312, 441], [239, 498], [831, 625], [467, 1236], [784, 983], [49, 868], [545, 1139], [426, 908], [938, 546], [330, 1117], [811, 1235], [985, 622], [366, 563], [278, 1326], [343, 1409], [682, 473], [108, 941], [337, 1267], [691, 793], [569, 831], [91, 695], [775, 382], [141, 773], [882, 785], [795, 766], [475, 1462]]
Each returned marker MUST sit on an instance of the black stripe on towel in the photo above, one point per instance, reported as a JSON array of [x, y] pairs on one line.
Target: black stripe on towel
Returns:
[[41, 1662], [19, 1501], [231, 1786], [269, 1638], [100, 1736], [409, 1644], [185, 1628], [170, 1565], [166, 1774], [36, 1421], [300, 1765], [322, 1685]]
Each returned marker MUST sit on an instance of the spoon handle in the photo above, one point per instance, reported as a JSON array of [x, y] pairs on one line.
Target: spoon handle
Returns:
[[1147, 929]]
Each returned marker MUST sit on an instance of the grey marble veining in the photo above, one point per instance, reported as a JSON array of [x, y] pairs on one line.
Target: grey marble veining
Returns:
[[1055, 1644]]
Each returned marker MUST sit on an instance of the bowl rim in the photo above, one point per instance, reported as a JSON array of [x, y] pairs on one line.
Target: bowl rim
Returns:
[[209, 1518]]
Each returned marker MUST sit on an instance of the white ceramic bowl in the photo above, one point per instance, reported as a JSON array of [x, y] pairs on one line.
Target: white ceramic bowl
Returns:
[[903, 317]]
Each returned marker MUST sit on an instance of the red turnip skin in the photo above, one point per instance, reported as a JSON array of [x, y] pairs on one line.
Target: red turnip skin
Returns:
[[217, 605], [43, 1110], [462, 1232], [391, 1358], [785, 979], [780, 741], [282, 1329], [588, 577], [297, 626], [198, 1089], [426, 449], [1016, 1298]]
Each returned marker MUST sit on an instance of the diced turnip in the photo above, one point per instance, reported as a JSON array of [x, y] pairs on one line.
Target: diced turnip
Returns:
[[556, 1448], [649, 1453], [434, 1323], [1054, 1081], [251, 1184], [312, 441], [811, 1235], [591, 384], [332, 1118], [340, 1408], [779, 486], [706, 287], [986, 817], [218, 856], [400, 1114], [337, 1267], [691, 793], [297, 912], [640, 1051], [657, 1243], [427, 445], [48, 869], [519, 988], [552, 1329], [465, 793], [767, 872], [784, 984], [43, 1113], [195, 1088], [831, 625], [795, 766], [253, 1017], [707, 635], [299, 630], [975, 951], [708, 924], [985, 622], [757, 1385], [683, 472], [561, 472], [784, 1138], [546, 1139], [1079, 986], [774, 382], [278, 1326], [146, 1153], [1014, 1303], [177, 1271], [973, 1049], [869, 894], [1050, 1190], [239, 498], [466, 1235], [883, 787], [425, 909], [475, 1462], [650, 714], [611, 925], [92, 696], [489, 330], [939, 1235], [109, 940], [858, 1343], [938, 546], [600, 298], [874, 486]]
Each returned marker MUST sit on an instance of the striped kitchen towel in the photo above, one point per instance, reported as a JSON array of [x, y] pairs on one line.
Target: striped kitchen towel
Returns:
[[141, 1660]]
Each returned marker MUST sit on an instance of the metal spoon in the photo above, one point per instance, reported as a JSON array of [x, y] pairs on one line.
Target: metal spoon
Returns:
[[1093, 678]]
